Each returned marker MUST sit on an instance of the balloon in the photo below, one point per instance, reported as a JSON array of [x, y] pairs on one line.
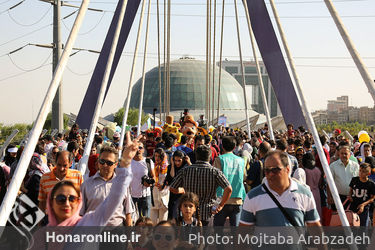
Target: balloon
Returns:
[[364, 138], [362, 132], [211, 128]]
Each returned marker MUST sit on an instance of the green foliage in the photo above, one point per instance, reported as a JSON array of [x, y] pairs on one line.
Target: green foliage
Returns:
[[48, 123], [6, 130], [353, 128], [132, 117]]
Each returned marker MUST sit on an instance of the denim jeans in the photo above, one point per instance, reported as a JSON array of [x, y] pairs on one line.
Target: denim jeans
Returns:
[[143, 204], [231, 211], [364, 217]]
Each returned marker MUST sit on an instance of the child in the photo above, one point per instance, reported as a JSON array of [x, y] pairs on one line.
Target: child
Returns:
[[144, 228], [362, 193], [164, 236], [189, 207]]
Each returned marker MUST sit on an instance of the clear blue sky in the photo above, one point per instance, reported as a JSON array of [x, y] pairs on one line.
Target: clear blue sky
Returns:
[[323, 63]]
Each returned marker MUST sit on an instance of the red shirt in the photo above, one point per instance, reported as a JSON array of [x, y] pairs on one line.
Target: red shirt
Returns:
[[150, 147]]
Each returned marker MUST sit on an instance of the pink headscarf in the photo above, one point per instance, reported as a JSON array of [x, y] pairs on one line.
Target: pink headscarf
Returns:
[[72, 221]]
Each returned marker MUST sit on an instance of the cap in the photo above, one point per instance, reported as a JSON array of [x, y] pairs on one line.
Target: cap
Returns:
[[12, 150]]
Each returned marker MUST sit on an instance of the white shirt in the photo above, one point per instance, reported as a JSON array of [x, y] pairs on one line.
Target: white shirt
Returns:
[[139, 169], [48, 147], [300, 175], [342, 175]]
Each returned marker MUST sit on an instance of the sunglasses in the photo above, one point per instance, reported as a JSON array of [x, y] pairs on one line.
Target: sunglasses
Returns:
[[274, 170], [109, 163], [61, 199], [158, 237]]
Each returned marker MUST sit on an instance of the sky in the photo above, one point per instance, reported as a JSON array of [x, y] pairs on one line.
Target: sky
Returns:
[[323, 63]]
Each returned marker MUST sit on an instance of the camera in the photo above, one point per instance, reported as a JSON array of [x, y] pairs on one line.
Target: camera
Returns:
[[148, 180]]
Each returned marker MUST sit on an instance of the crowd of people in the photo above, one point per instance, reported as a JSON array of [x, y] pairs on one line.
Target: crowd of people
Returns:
[[227, 177]]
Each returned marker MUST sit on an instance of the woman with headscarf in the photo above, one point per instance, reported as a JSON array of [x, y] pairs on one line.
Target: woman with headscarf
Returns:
[[313, 178], [35, 171], [178, 162], [299, 154], [160, 194]]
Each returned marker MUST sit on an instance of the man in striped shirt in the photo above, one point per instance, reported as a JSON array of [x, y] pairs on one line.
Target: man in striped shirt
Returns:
[[61, 172], [260, 210], [203, 179]]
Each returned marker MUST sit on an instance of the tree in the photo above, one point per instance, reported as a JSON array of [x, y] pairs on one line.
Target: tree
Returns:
[[6, 130], [353, 128], [132, 117], [48, 123]]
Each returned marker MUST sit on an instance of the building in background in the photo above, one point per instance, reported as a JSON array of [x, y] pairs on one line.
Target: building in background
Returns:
[[339, 111], [254, 96], [188, 91]]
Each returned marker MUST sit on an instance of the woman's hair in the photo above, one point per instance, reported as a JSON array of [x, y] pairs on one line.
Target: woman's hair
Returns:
[[308, 161], [161, 152], [62, 184], [145, 220], [189, 197], [180, 154], [39, 148]]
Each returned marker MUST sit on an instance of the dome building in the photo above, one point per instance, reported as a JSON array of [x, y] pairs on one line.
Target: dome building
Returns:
[[188, 91]]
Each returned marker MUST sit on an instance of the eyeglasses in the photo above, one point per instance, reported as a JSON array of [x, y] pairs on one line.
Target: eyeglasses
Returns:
[[274, 170], [158, 237], [61, 199], [109, 163]]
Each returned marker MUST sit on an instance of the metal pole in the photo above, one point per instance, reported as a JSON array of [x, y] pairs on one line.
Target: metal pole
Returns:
[[221, 61], [311, 124], [159, 73], [57, 114], [207, 57], [127, 101], [24, 161], [169, 58], [213, 68], [103, 86], [143, 70], [242, 68], [352, 50], [165, 64], [7, 142], [260, 79], [209, 65]]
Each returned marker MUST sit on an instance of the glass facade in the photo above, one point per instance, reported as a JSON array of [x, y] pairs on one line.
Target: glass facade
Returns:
[[188, 88]]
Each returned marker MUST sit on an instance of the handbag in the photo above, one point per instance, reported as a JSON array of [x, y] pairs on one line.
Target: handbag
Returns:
[[285, 213], [352, 217]]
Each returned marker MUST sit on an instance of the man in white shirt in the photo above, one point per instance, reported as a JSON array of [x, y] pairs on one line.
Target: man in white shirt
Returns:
[[96, 189], [343, 170], [140, 188]]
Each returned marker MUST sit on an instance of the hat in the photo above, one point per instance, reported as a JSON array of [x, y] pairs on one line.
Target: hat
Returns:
[[116, 134], [12, 150], [338, 131]]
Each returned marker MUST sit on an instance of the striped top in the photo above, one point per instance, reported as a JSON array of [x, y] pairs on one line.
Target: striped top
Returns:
[[260, 210], [203, 180], [49, 180]]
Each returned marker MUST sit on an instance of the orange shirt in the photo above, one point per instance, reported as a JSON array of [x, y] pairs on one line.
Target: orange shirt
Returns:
[[49, 180]]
